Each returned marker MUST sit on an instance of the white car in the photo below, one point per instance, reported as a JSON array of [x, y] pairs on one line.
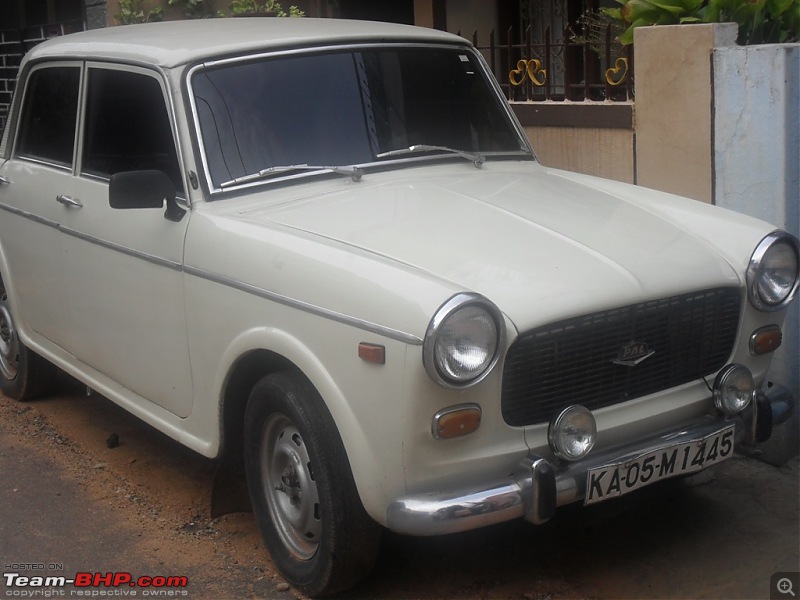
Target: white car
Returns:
[[324, 250]]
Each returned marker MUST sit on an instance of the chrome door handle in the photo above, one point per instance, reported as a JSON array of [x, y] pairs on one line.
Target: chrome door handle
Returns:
[[67, 201], [5, 180]]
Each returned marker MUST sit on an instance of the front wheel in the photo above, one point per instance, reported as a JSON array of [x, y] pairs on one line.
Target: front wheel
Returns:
[[302, 490], [24, 375]]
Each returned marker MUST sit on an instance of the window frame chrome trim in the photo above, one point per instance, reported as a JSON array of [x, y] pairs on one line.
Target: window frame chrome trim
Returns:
[[13, 129], [145, 70], [756, 259]]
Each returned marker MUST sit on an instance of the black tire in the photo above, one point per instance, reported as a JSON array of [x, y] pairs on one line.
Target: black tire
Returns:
[[24, 375], [303, 494]]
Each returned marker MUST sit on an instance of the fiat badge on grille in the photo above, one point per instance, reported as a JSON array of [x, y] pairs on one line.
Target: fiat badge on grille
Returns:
[[632, 353]]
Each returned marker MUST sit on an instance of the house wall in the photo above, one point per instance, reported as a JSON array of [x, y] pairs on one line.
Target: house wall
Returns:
[[674, 106], [589, 137], [594, 151], [757, 172], [468, 16]]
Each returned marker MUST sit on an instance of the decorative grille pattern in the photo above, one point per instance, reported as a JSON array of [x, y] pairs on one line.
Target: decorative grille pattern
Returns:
[[573, 361]]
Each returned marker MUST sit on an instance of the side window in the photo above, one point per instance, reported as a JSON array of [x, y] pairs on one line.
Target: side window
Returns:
[[127, 126], [47, 128]]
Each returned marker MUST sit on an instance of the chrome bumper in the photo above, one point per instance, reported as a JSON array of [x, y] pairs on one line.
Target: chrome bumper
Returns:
[[542, 486]]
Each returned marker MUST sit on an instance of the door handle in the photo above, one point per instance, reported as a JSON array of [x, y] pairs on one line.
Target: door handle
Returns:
[[4, 180], [68, 201]]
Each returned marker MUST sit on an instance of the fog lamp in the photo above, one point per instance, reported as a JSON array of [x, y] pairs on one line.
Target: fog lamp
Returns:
[[733, 389], [572, 433]]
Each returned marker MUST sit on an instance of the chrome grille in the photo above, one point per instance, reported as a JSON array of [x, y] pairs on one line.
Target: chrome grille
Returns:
[[572, 361]]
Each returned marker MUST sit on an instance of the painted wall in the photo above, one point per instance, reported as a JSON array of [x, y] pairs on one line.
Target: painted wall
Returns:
[[674, 106], [592, 150], [468, 15], [757, 171]]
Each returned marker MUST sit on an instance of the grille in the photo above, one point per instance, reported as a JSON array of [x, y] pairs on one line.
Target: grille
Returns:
[[572, 361]]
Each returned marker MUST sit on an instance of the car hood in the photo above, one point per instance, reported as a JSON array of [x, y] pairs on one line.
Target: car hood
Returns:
[[540, 244]]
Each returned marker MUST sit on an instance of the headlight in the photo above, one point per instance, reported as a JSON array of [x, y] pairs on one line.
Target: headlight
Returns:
[[572, 433], [463, 341], [733, 389], [773, 273]]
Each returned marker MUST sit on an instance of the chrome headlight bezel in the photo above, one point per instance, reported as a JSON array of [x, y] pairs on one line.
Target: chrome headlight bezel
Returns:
[[758, 272], [467, 306], [572, 433], [734, 389]]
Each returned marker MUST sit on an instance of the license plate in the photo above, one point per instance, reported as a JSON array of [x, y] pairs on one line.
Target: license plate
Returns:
[[617, 479]]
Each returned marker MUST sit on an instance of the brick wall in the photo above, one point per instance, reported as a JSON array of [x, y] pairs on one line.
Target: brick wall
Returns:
[[13, 45]]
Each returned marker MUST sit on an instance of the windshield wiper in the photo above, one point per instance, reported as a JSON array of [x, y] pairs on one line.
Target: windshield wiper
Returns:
[[351, 171], [475, 158]]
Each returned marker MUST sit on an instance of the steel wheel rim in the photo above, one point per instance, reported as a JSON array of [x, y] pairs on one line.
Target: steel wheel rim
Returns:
[[289, 487], [9, 342]]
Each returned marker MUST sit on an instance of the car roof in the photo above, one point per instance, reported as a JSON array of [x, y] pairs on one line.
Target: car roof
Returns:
[[173, 43]]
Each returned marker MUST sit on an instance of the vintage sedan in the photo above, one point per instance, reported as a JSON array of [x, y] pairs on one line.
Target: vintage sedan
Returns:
[[325, 251]]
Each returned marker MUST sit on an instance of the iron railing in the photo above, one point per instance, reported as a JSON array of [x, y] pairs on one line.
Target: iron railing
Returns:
[[570, 67]]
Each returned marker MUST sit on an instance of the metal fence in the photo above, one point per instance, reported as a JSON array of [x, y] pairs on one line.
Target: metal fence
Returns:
[[13, 46], [591, 66]]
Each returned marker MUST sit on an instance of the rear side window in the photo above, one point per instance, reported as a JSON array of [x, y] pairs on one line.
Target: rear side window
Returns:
[[47, 129], [127, 126]]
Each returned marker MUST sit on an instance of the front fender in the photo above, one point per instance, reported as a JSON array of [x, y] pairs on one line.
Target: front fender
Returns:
[[361, 397]]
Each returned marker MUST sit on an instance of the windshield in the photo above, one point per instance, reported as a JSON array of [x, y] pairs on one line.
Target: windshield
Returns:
[[346, 108]]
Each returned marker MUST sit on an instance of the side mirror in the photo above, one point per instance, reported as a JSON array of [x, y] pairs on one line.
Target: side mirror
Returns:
[[144, 189]]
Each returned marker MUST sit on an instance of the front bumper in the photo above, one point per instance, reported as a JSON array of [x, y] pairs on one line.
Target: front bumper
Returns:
[[542, 486]]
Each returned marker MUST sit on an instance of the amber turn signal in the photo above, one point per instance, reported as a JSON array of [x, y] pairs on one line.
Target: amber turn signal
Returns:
[[373, 353], [456, 421], [765, 340]]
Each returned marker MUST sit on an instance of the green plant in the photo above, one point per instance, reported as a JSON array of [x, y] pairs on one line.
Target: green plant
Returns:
[[193, 9], [592, 27], [134, 11], [239, 7], [759, 21], [636, 13]]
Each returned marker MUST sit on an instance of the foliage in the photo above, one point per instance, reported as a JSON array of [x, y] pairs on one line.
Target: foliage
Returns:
[[134, 11], [592, 27], [239, 7], [145, 11], [193, 9], [759, 21]]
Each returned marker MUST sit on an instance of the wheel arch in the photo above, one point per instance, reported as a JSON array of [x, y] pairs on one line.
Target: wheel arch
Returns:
[[4, 278], [242, 377], [271, 352], [8, 285]]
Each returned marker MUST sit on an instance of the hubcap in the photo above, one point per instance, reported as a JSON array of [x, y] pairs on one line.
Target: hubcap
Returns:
[[288, 482], [9, 342]]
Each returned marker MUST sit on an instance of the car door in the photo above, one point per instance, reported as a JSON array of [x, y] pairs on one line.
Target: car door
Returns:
[[123, 268], [41, 142]]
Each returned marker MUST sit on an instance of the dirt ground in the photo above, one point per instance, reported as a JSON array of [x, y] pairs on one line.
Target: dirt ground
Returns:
[[70, 503]]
